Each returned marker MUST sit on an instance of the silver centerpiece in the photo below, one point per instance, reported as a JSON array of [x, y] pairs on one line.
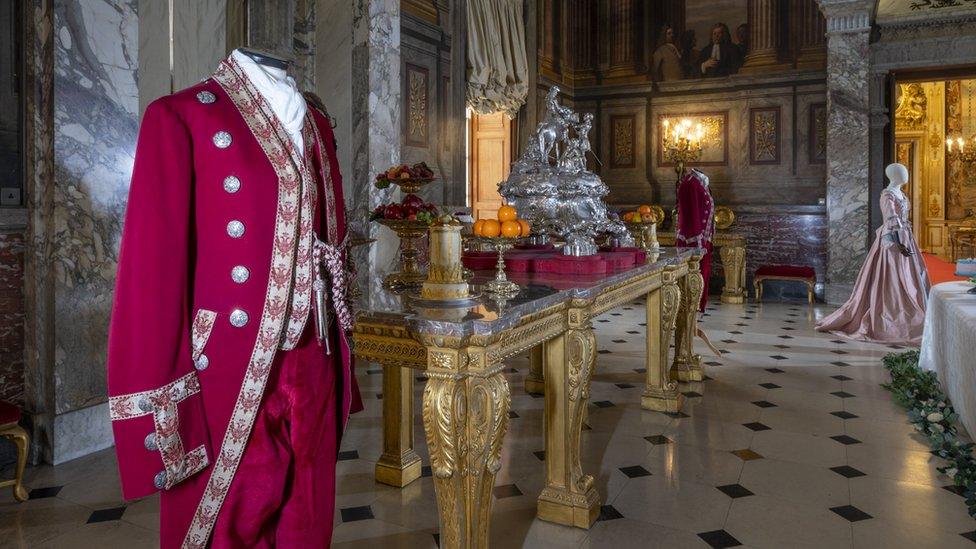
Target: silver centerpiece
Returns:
[[551, 187]]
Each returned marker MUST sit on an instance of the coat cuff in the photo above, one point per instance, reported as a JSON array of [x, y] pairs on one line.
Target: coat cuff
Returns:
[[161, 436]]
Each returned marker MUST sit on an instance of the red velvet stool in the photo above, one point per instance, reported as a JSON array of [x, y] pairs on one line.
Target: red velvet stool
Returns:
[[794, 273], [9, 428]]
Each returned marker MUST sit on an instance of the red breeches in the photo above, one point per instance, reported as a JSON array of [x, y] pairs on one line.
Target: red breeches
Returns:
[[284, 492]]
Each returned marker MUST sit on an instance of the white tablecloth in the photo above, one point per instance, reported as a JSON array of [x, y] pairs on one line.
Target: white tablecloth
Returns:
[[949, 346]]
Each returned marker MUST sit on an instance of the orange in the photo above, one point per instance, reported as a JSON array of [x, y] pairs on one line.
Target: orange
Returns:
[[628, 216], [511, 229], [507, 213], [526, 228], [644, 209], [491, 229], [648, 218], [477, 227]]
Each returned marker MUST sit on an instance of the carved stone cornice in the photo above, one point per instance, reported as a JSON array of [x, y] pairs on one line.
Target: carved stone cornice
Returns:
[[847, 16]]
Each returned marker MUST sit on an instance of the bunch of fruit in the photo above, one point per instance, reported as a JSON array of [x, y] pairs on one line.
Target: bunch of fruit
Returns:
[[403, 172], [412, 208], [643, 214], [508, 225]]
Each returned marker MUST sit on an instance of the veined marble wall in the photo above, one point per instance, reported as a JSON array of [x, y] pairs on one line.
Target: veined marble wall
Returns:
[[77, 201], [12, 317]]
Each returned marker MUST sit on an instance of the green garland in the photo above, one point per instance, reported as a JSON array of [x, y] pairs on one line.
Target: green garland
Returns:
[[931, 413]]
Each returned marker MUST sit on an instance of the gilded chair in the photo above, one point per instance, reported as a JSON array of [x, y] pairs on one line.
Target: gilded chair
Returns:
[[11, 429]]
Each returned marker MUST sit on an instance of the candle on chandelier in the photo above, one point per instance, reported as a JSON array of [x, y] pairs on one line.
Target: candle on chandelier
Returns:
[[949, 144]]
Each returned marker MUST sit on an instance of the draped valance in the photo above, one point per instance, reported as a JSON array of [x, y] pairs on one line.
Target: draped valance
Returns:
[[497, 63]]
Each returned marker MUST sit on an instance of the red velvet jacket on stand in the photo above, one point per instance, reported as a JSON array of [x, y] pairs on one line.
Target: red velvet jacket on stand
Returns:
[[215, 279], [696, 222]]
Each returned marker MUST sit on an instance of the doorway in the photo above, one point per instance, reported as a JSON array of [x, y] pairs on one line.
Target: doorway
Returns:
[[489, 160], [935, 138]]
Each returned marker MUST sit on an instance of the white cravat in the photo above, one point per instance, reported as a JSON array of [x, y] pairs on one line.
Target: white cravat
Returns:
[[281, 93]]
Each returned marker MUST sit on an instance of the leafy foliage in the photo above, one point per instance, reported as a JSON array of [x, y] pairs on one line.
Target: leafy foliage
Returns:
[[932, 414]]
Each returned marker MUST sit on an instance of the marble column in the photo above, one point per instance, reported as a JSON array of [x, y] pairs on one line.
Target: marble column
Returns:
[[811, 35], [376, 134], [764, 36], [83, 119], [623, 37], [848, 151]]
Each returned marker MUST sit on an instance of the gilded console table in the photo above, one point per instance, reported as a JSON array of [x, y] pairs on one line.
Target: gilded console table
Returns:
[[732, 250], [466, 398]]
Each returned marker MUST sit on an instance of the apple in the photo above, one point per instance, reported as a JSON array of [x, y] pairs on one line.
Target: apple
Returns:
[[413, 200], [412, 217], [393, 211], [410, 209]]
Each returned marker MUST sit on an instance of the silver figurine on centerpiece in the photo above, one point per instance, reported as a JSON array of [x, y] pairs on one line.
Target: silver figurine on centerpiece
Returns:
[[551, 187]]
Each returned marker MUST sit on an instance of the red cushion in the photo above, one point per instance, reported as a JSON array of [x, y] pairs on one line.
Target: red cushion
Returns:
[[8, 413], [792, 271]]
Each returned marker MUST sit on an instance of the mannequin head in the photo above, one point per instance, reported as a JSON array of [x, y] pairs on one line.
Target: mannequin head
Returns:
[[897, 175]]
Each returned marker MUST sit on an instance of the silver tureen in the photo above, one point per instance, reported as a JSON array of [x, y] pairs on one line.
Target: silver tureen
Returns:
[[551, 187]]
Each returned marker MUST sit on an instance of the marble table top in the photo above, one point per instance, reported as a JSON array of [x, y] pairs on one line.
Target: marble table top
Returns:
[[485, 315]]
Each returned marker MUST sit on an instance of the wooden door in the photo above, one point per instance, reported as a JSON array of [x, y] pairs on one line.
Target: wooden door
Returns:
[[490, 159]]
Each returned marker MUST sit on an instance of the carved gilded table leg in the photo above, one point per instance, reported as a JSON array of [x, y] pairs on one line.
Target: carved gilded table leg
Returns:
[[660, 393], [734, 265], [688, 365], [399, 465], [535, 382], [466, 403], [569, 498]]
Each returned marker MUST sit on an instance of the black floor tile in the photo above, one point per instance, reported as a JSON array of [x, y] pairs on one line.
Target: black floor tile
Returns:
[[541, 455], [778, 357], [842, 378], [635, 471], [676, 415], [842, 394], [640, 370], [425, 471], [756, 426], [691, 394], [624, 386], [609, 512], [619, 341], [49, 492], [769, 385], [103, 515], [719, 539], [506, 491], [604, 351], [764, 404], [847, 471], [851, 513], [844, 414], [841, 364], [775, 370], [348, 454], [352, 514], [735, 490], [957, 490], [603, 404], [512, 414], [846, 440], [971, 536], [658, 439], [713, 363]]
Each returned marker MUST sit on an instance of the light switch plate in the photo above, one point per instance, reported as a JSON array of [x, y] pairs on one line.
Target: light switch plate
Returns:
[[10, 196]]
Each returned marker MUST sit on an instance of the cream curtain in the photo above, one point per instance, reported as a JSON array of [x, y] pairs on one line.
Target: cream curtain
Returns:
[[498, 78]]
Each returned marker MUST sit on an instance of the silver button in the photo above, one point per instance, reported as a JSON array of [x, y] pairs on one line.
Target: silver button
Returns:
[[222, 139], [151, 442], [145, 405], [206, 97], [235, 229], [240, 274], [201, 362], [238, 318], [232, 184], [159, 481]]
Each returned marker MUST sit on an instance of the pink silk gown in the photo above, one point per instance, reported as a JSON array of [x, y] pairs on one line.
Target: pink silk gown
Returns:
[[888, 303]]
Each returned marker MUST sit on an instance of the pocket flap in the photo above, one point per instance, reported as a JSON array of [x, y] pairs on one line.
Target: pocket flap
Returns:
[[203, 324]]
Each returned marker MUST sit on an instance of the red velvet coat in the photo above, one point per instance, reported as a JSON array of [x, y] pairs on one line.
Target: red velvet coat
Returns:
[[213, 279], [696, 222]]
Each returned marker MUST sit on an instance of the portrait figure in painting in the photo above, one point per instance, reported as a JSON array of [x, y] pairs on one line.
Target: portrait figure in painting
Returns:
[[742, 41], [688, 47], [720, 57], [667, 58]]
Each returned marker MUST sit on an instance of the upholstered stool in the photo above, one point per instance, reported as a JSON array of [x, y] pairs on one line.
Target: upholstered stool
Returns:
[[10, 429], [785, 272]]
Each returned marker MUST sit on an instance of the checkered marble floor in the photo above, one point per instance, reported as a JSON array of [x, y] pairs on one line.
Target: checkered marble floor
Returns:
[[790, 442]]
